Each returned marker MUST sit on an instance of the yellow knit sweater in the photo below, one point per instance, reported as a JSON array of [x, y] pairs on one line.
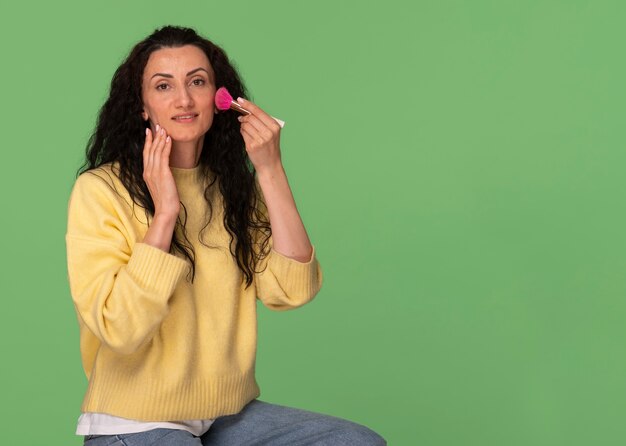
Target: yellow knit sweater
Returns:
[[154, 346]]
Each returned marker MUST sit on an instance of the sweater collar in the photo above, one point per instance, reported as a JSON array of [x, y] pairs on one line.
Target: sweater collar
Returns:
[[183, 174]]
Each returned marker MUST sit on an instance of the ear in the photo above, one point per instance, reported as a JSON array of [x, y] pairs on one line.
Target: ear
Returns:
[[144, 115]]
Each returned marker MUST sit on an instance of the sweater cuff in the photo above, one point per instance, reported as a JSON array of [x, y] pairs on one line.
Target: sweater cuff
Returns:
[[299, 273], [155, 269]]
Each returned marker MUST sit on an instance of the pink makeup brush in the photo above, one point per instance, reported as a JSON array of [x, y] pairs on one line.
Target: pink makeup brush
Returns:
[[224, 101]]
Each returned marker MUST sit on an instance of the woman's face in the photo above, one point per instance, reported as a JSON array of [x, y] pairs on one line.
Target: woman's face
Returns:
[[179, 82]]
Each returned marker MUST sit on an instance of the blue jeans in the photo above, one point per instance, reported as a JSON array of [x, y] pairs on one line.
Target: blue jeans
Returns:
[[258, 423]]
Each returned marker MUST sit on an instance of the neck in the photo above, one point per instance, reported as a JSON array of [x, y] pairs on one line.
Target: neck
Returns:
[[186, 154]]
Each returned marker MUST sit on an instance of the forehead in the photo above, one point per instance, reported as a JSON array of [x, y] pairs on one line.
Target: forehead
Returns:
[[176, 61]]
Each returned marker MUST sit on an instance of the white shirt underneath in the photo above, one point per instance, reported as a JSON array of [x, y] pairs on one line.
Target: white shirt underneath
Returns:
[[92, 423]]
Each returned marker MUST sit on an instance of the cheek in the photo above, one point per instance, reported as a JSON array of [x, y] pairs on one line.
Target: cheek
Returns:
[[208, 119], [207, 101], [149, 110], [154, 108]]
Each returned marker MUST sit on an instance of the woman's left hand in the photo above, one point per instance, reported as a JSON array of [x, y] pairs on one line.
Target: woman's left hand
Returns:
[[261, 134]]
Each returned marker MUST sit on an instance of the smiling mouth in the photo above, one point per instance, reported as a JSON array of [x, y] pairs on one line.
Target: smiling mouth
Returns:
[[185, 118]]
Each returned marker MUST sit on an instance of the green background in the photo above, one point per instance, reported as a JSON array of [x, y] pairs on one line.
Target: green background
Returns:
[[458, 165]]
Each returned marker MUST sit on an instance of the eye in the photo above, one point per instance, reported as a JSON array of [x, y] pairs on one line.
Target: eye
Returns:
[[202, 82], [158, 87]]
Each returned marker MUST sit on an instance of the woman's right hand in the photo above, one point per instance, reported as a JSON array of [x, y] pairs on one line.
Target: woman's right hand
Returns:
[[160, 181], [158, 175]]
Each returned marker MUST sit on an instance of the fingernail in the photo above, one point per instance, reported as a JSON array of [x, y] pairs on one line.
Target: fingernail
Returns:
[[239, 118], [240, 100], [158, 127], [167, 139], [147, 129]]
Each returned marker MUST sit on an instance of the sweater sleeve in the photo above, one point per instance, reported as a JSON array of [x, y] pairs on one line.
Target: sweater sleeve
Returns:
[[285, 283], [120, 292]]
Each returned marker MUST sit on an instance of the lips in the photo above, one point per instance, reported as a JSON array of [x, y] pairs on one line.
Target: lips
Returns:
[[187, 116]]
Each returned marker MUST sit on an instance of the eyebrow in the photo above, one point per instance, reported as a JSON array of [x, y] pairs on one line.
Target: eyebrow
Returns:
[[188, 74]]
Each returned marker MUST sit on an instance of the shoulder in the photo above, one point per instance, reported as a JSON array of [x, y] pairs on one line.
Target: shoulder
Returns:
[[99, 177], [102, 178], [101, 184]]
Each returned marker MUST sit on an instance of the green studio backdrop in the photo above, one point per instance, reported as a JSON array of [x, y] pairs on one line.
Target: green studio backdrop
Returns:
[[458, 165]]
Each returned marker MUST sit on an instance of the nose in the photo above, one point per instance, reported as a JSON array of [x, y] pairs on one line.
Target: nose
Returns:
[[184, 99]]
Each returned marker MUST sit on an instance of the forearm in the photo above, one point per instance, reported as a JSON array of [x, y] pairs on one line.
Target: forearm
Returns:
[[288, 232], [160, 232]]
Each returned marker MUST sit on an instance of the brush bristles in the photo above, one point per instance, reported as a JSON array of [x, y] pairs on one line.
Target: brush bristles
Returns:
[[223, 99]]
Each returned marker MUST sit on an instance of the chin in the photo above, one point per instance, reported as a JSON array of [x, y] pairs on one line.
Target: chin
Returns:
[[186, 136], [178, 138]]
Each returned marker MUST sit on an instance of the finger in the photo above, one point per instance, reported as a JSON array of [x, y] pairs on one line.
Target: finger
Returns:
[[153, 148], [246, 137], [252, 131], [258, 125], [245, 124], [158, 151], [254, 139], [258, 112], [273, 126], [146, 147], [165, 157], [156, 156]]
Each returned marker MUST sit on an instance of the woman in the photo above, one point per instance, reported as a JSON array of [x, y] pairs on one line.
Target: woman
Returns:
[[180, 219]]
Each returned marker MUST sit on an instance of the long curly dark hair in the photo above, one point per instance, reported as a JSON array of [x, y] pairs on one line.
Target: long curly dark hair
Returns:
[[119, 136]]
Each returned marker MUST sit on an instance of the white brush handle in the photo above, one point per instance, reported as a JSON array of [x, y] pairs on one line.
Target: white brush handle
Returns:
[[280, 122], [235, 106]]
